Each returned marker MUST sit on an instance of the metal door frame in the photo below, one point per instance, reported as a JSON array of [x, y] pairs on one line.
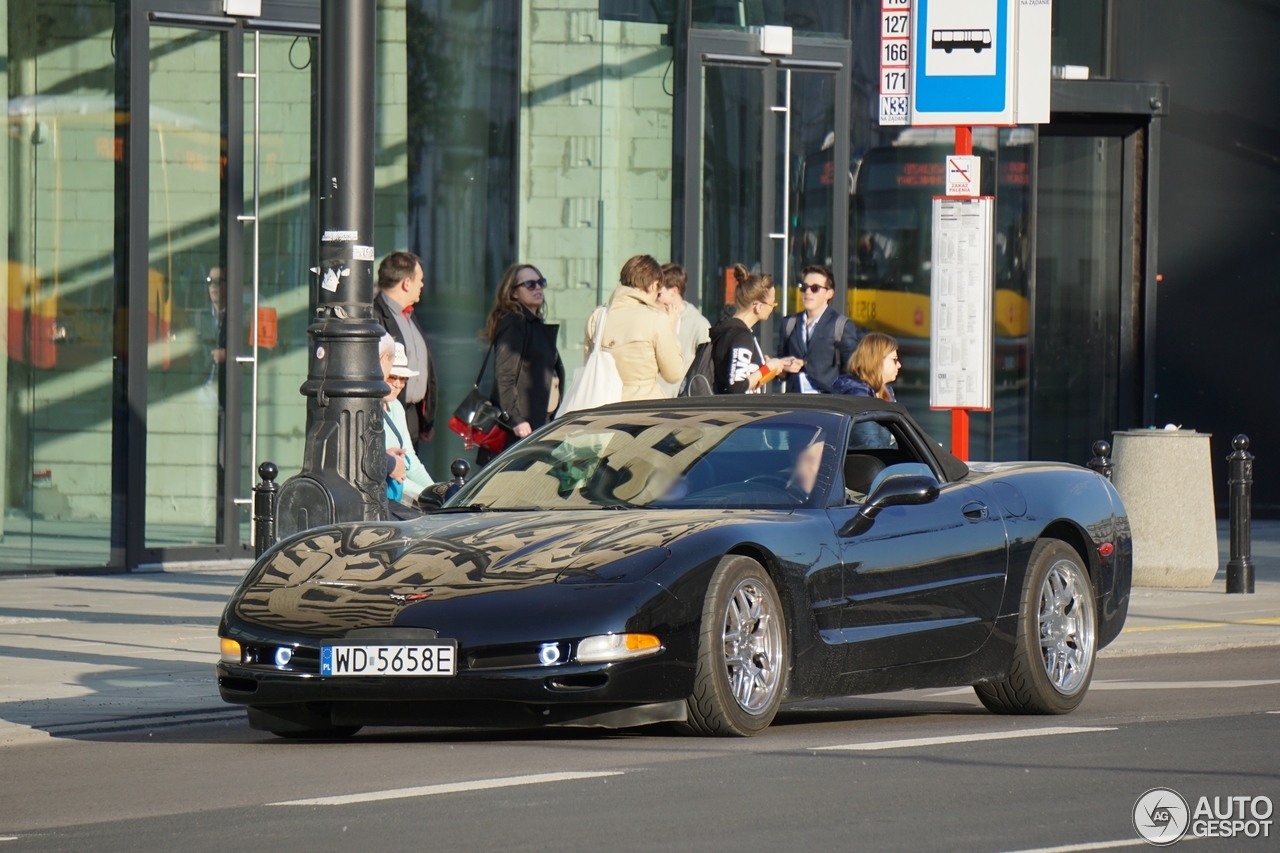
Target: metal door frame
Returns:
[[725, 48], [129, 441], [1132, 112]]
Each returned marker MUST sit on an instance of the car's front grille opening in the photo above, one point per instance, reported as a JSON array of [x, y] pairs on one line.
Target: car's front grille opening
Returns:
[[238, 685], [300, 659], [586, 681]]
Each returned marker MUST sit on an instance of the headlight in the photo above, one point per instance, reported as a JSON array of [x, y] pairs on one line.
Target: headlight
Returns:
[[615, 647], [230, 651]]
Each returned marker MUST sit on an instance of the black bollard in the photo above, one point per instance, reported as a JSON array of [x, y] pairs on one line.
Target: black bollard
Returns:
[[1101, 461], [459, 469], [265, 495], [1240, 483]]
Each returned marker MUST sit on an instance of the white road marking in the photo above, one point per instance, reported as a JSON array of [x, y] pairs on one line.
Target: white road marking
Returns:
[[1077, 848], [1179, 685], [447, 788], [8, 838], [1121, 684], [1094, 845], [937, 741]]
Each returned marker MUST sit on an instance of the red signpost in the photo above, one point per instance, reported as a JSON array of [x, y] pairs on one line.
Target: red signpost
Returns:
[[960, 417]]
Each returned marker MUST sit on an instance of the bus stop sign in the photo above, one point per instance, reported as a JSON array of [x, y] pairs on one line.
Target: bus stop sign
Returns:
[[980, 62]]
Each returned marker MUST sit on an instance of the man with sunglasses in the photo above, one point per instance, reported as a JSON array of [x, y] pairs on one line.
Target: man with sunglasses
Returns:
[[820, 336], [400, 287]]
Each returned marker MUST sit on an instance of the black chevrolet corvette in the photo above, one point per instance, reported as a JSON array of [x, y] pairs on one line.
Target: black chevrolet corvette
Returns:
[[698, 562]]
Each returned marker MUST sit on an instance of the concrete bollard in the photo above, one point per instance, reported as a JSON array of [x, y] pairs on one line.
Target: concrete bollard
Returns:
[[1165, 479], [1240, 481], [265, 495]]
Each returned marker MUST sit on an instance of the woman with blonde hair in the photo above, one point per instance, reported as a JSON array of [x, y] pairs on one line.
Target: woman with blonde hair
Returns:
[[873, 365], [528, 376], [739, 363]]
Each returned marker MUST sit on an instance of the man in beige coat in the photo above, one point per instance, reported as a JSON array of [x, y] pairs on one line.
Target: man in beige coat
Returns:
[[639, 333]]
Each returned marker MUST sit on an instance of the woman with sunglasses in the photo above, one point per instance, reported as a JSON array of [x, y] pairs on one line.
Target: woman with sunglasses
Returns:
[[528, 375], [872, 367], [739, 364]]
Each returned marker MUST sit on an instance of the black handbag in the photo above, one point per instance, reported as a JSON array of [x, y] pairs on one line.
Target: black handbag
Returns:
[[477, 419]]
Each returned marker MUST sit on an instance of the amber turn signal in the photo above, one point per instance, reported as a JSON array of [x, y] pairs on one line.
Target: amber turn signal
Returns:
[[230, 651]]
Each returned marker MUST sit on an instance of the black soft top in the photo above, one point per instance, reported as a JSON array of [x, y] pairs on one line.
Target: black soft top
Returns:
[[842, 404]]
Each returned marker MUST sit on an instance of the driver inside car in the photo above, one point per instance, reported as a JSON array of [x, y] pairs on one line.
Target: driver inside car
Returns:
[[805, 468]]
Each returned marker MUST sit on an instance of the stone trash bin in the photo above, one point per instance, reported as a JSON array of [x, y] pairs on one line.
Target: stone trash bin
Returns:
[[1165, 478]]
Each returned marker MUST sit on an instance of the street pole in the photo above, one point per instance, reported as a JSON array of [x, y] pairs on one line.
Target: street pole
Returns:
[[344, 458], [960, 417]]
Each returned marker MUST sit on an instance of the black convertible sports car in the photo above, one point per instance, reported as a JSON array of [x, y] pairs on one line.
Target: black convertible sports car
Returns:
[[696, 561]]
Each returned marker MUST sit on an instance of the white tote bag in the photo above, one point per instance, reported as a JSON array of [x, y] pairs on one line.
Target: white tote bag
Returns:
[[597, 382]]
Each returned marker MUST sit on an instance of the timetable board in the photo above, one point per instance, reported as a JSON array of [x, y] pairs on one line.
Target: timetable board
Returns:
[[961, 303]]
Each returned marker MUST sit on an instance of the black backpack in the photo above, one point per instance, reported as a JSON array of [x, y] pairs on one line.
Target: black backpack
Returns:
[[700, 379]]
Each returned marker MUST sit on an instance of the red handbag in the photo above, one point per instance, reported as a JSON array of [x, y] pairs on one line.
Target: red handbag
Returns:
[[478, 421]]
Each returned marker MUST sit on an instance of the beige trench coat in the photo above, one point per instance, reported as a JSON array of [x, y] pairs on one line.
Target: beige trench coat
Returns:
[[638, 333]]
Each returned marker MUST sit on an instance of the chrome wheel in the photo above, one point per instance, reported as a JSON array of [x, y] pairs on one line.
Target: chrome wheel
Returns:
[[752, 645], [1066, 627]]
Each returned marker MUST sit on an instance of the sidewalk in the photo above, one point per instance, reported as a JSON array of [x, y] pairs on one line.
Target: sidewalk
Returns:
[[100, 653]]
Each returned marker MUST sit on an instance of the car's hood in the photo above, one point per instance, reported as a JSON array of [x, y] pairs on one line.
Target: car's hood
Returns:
[[361, 575]]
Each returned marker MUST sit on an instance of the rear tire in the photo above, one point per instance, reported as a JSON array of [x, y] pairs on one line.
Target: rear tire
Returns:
[[743, 656], [1056, 637]]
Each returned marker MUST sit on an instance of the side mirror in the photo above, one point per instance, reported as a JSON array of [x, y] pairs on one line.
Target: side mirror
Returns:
[[434, 496], [900, 490]]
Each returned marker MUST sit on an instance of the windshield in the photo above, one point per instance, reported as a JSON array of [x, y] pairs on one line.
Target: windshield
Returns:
[[688, 459]]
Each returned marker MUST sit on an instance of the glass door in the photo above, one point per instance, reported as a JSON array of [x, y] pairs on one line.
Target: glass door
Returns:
[[279, 174], [1089, 239], [221, 263], [186, 290], [766, 163]]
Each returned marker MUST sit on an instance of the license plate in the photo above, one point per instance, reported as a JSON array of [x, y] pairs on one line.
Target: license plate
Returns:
[[391, 659]]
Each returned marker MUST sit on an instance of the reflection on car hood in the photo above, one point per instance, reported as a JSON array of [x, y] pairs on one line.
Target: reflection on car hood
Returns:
[[336, 578]]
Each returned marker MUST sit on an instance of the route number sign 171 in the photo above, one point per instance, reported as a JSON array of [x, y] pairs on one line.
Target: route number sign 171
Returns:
[[895, 62]]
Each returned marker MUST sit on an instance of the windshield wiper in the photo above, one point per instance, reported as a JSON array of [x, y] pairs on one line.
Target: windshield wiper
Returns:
[[463, 508]]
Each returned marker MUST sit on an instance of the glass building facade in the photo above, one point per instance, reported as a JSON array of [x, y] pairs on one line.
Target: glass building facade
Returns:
[[161, 224]]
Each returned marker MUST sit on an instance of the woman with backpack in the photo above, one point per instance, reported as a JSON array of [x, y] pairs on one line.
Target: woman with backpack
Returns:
[[739, 365]]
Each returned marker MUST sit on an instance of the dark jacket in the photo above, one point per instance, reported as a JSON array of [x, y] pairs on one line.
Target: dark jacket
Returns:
[[420, 417], [735, 355], [864, 434], [852, 385], [823, 360], [525, 361]]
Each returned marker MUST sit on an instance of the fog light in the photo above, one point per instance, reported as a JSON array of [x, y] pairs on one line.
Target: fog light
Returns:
[[549, 654], [230, 651], [615, 647], [283, 656]]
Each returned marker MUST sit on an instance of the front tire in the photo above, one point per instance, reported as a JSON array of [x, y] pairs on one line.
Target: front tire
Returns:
[[1057, 637], [743, 655]]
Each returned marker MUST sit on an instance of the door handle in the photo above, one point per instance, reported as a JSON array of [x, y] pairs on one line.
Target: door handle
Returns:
[[975, 511]]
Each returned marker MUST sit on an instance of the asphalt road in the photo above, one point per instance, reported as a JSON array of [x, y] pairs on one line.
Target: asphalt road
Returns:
[[1203, 724]]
